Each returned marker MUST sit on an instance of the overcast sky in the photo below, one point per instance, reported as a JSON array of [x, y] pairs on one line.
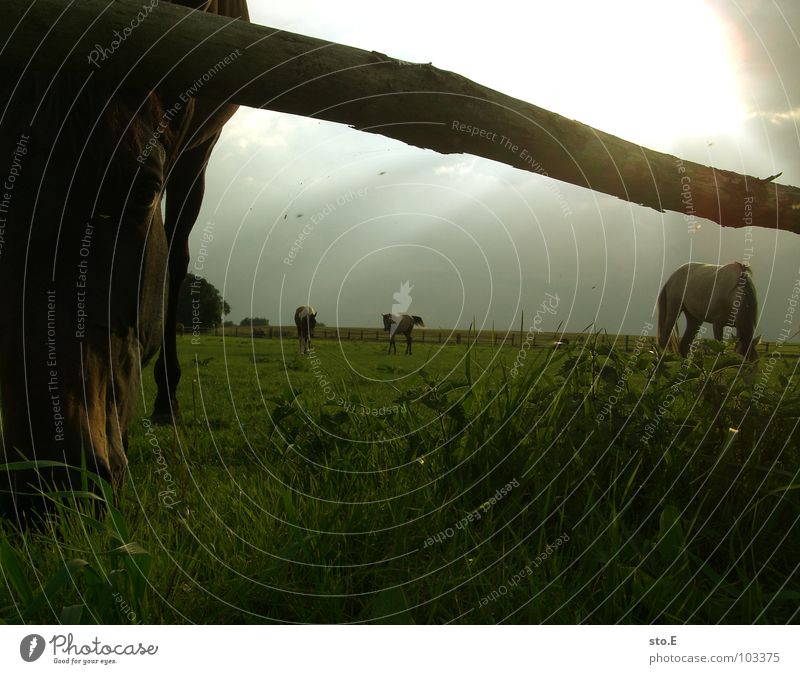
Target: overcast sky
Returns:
[[713, 82]]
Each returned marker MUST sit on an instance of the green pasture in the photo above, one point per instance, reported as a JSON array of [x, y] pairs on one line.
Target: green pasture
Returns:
[[460, 484]]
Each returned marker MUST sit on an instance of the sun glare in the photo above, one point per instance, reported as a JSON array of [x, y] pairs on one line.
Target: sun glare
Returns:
[[652, 72]]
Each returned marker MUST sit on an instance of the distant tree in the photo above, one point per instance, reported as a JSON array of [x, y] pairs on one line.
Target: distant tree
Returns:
[[252, 322], [228, 324], [200, 303]]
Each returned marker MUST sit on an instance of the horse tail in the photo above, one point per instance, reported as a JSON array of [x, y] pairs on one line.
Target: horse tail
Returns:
[[672, 341], [662, 312], [418, 321], [748, 311]]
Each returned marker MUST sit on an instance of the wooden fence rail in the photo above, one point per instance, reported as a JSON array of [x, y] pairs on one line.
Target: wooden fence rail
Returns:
[[457, 337]]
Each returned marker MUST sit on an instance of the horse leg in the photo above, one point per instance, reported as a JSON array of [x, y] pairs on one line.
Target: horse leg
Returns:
[[185, 189], [408, 344], [167, 370], [719, 330], [692, 326]]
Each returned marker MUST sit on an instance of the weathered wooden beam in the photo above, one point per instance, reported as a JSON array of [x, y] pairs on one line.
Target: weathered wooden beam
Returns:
[[144, 42]]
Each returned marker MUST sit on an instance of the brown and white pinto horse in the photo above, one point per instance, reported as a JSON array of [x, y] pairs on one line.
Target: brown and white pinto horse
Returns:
[[400, 324], [84, 262], [721, 295], [305, 318]]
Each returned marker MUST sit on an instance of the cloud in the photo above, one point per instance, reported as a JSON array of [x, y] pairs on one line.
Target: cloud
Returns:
[[262, 130], [792, 116], [460, 168]]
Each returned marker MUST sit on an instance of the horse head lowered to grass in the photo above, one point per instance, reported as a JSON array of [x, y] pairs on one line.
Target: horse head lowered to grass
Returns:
[[305, 318], [83, 269], [89, 268], [723, 295]]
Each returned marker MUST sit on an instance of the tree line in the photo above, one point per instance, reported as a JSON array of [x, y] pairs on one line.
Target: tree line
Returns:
[[201, 303]]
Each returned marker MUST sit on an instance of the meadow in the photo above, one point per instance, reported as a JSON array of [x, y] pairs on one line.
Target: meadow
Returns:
[[465, 483]]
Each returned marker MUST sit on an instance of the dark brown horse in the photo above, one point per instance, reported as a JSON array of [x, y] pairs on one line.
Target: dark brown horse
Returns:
[[84, 261], [305, 318], [185, 188], [400, 324]]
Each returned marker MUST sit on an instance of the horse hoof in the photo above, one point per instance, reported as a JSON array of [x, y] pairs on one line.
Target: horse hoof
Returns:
[[165, 418]]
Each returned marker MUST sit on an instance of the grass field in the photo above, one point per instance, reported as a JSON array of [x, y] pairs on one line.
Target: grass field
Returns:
[[475, 485]]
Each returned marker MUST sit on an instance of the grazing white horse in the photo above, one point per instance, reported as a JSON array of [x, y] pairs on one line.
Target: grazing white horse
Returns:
[[717, 294], [305, 318], [402, 324]]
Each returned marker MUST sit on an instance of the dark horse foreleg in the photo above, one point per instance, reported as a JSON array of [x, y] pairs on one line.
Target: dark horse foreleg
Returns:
[[408, 344], [185, 189], [692, 327]]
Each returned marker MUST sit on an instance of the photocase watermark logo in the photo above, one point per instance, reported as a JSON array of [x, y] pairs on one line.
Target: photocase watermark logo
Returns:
[[31, 647], [402, 298], [100, 53], [548, 306]]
